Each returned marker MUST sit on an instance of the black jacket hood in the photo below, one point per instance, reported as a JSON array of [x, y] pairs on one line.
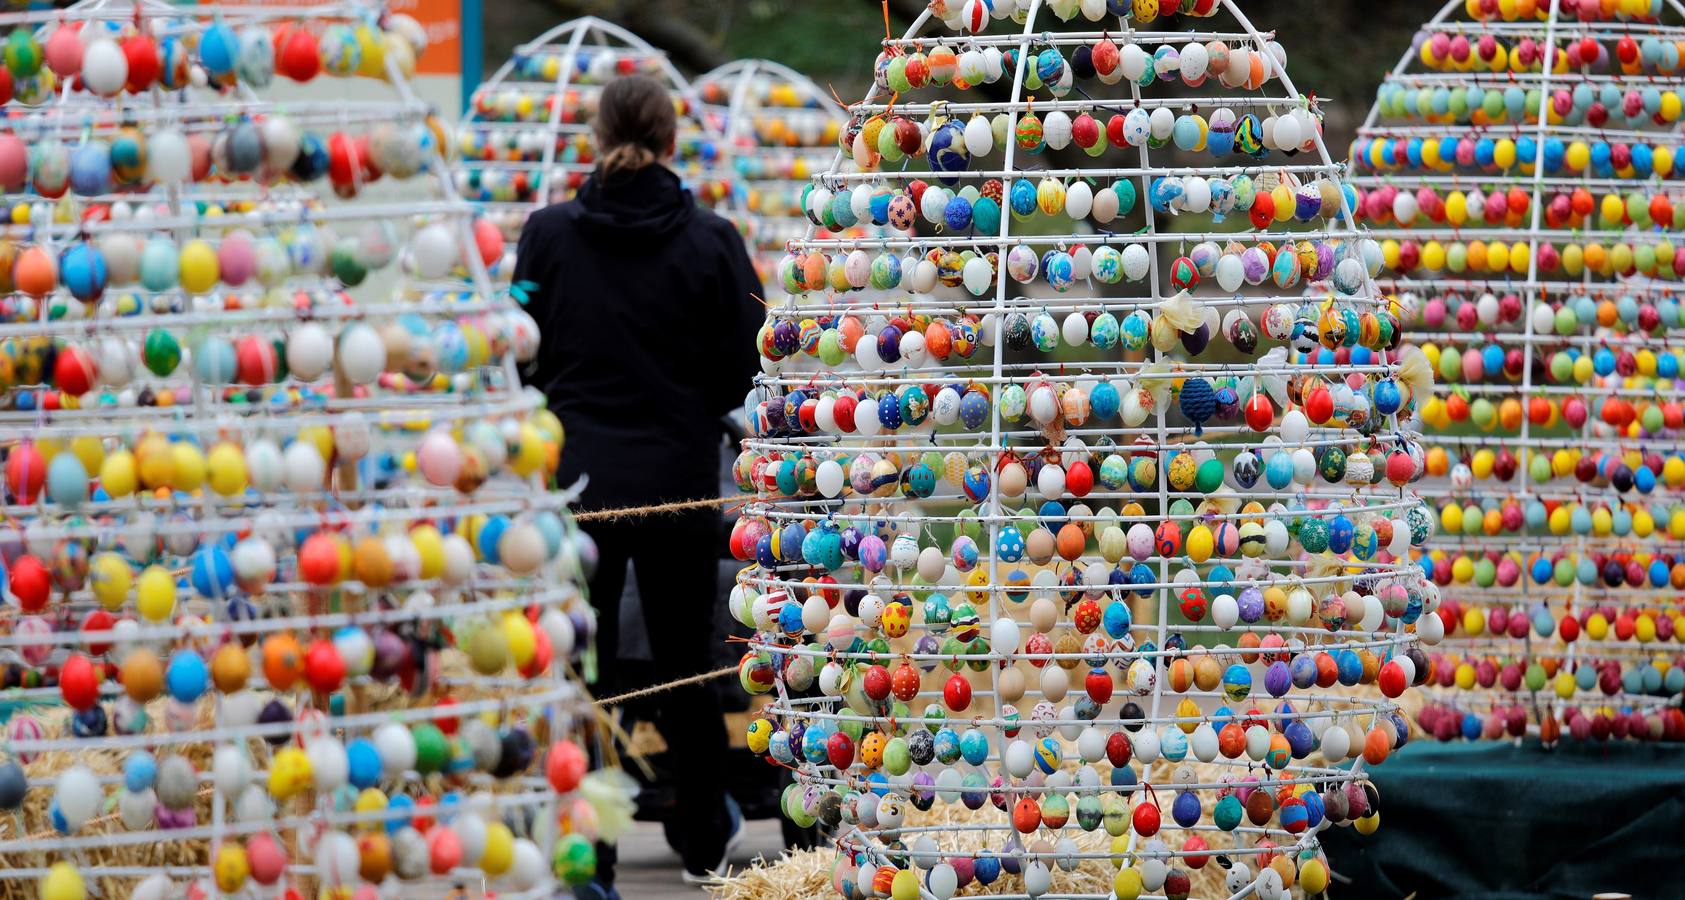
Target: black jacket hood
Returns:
[[642, 203], [646, 302]]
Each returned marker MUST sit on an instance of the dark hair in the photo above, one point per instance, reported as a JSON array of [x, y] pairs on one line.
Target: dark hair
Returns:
[[634, 123]]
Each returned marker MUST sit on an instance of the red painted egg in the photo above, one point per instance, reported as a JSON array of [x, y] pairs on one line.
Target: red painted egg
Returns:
[[323, 667], [78, 682], [1146, 819], [564, 766], [318, 559], [297, 57], [957, 693], [26, 470], [144, 63]]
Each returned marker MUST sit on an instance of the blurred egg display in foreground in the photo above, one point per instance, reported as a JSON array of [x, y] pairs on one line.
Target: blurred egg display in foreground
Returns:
[[292, 592]]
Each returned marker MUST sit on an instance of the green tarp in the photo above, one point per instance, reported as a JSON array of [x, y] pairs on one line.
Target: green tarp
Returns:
[[1492, 821]]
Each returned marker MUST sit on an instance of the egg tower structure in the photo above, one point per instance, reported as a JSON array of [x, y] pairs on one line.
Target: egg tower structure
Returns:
[[780, 129], [526, 141], [1518, 169], [289, 596], [1076, 539]]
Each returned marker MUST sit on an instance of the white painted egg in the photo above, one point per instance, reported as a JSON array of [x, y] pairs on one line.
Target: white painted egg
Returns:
[[1043, 404], [1074, 330], [280, 143], [913, 352], [459, 559], [253, 562], [105, 69], [329, 767], [122, 257], [396, 748], [1431, 630], [521, 549], [79, 796], [1056, 130], [231, 770], [1050, 481], [1146, 745], [336, 859], [1079, 200], [309, 351], [943, 881], [116, 361], [934, 205], [526, 867], [1136, 262], [137, 809], [351, 436], [1225, 612], [977, 275], [560, 630], [254, 806], [434, 251], [979, 137], [1203, 742], [265, 465], [1038, 879], [1162, 122], [156, 886], [829, 479], [471, 834], [361, 353], [168, 159], [1132, 61], [303, 467], [1336, 743], [924, 276], [1091, 744]]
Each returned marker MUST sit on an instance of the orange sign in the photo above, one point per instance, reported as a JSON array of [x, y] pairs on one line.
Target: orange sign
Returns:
[[443, 21]]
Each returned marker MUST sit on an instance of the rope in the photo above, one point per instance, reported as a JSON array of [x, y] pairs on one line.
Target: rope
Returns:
[[661, 688], [631, 512]]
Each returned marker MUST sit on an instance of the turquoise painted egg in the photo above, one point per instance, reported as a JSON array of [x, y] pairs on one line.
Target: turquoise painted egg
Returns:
[[214, 361], [160, 265]]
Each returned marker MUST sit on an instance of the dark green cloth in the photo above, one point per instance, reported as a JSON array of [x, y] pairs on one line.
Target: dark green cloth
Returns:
[[1492, 821]]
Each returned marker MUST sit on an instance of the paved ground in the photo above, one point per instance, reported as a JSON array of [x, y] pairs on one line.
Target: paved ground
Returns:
[[648, 870]]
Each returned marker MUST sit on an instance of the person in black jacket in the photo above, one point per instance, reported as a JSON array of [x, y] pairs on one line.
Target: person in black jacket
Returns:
[[646, 307]]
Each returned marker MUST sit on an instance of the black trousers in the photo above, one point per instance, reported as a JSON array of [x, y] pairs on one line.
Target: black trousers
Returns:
[[676, 561]]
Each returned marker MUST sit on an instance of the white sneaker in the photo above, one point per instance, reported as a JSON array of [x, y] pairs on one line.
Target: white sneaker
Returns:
[[717, 874]]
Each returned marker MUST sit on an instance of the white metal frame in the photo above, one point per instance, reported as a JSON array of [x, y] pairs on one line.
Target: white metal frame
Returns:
[[889, 512]]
